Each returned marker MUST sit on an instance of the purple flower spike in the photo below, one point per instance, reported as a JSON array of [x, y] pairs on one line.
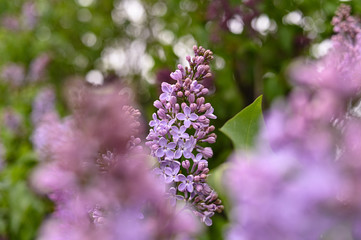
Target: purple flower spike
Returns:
[[165, 148], [188, 117], [179, 130], [187, 183]]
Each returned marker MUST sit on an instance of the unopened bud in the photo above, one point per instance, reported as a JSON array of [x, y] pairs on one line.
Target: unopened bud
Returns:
[[173, 100], [193, 107], [186, 164], [158, 104], [191, 98], [200, 101]]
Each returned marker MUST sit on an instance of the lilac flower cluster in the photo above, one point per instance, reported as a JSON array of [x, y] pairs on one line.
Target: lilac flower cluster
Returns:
[[178, 131], [26, 20], [94, 170], [16, 75], [307, 186]]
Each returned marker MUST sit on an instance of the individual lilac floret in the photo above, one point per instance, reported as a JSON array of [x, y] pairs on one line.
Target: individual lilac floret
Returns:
[[186, 183], [179, 129], [171, 174], [179, 133], [165, 148], [167, 91], [188, 117]]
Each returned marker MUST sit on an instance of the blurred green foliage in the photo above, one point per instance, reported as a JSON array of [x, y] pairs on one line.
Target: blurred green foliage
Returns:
[[133, 42]]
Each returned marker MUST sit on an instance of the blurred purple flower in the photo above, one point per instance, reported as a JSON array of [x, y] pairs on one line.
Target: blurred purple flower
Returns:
[[14, 74], [37, 67], [29, 15], [307, 185], [43, 104], [97, 176], [12, 120]]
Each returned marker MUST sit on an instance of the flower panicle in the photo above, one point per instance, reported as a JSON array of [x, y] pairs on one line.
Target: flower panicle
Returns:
[[179, 130]]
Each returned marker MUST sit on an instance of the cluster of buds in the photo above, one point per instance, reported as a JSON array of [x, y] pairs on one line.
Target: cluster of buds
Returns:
[[178, 132]]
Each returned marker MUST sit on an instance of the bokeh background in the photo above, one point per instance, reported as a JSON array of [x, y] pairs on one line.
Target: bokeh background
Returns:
[[44, 44]]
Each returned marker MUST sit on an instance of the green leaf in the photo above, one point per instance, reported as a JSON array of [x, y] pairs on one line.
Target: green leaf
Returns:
[[243, 128]]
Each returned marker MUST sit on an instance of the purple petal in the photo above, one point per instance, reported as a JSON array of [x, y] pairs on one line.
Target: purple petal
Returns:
[[178, 154], [190, 187], [170, 154], [187, 154], [176, 169], [193, 117], [168, 179], [187, 123], [198, 157], [179, 197], [173, 201], [168, 171], [190, 178], [159, 152], [208, 221], [181, 116], [180, 178], [171, 145], [172, 191], [163, 96], [174, 130], [182, 187], [185, 135], [165, 87], [182, 129], [187, 110], [177, 75], [163, 142]]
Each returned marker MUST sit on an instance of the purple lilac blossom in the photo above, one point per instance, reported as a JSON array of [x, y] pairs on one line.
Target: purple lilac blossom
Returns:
[[29, 15], [307, 186], [43, 104], [95, 171], [37, 67], [12, 120], [14, 74], [180, 124]]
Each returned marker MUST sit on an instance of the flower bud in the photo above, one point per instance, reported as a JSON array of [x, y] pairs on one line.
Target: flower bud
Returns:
[[200, 101], [158, 104], [187, 93], [186, 164], [173, 100], [207, 152], [161, 113], [199, 187], [193, 107], [177, 107], [207, 106], [183, 105], [191, 98], [210, 129], [179, 94]]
